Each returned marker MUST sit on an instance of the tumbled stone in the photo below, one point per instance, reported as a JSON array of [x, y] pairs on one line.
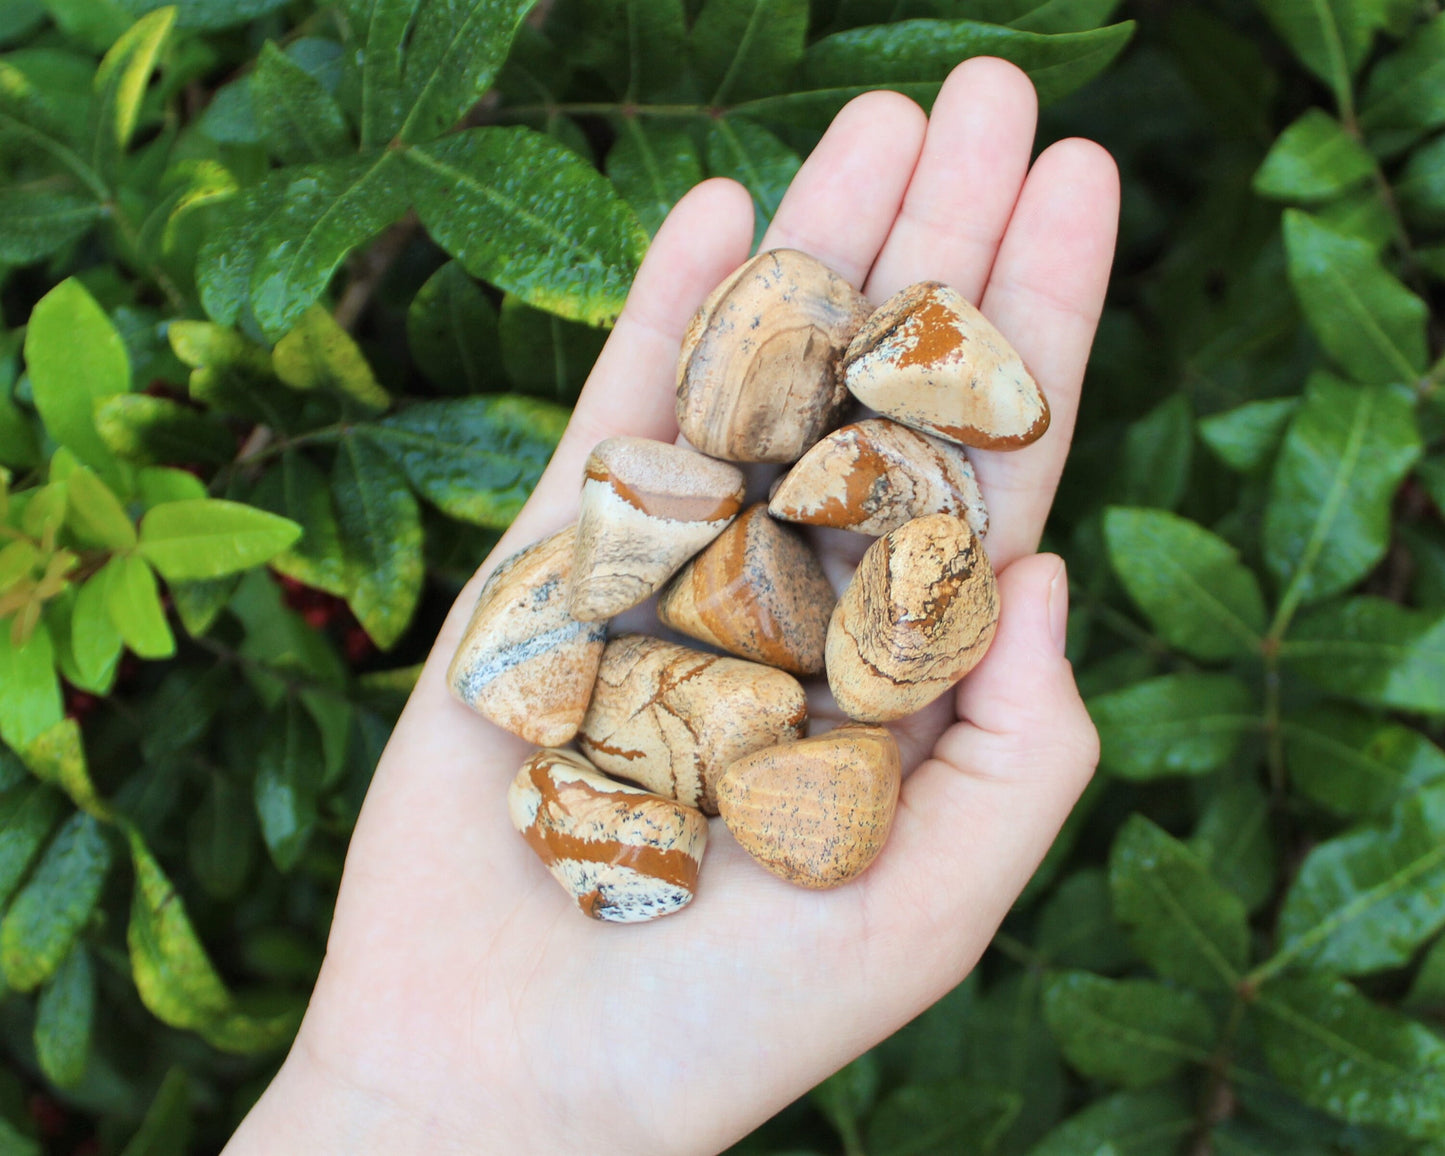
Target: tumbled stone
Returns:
[[524, 662], [671, 718], [647, 507], [919, 614], [874, 475], [624, 854], [815, 812], [758, 378], [931, 360], [758, 591]]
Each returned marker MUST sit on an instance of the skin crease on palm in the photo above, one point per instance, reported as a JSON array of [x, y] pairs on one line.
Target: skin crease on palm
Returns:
[[465, 1005]]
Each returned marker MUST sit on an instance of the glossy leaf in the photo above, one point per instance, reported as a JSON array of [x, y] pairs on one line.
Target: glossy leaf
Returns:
[[1330, 37], [289, 767], [64, 1015], [1246, 438], [28, 813], [1357, 764], [29, 691], [299, 119], [1362, 315], [451, 331], [1131, 1032], [528, 215], [756, 159], [1189, 582], [297, 490], [381, 527], [133, 598], [153, 430], [1407, 89], [39, 222], [377, 30], [748, 48], [319, 354], [1374, 651], [227, 257], [120, 83], [1345, 453], [1177, 724], [1152, 1122], [1186, 924], [56, 902], [476, 459], [196, 540], [653, 165], [1314, 159], [94, 513]]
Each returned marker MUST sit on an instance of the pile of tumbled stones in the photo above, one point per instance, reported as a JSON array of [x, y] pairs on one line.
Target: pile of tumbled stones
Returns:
[[668, 734]]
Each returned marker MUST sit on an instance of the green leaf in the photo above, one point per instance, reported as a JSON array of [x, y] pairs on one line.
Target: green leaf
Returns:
[[299, 491], [1186, 924], [133, 598], [846, 1097], [1353, 1059], [748, 48], [936, 1119], [325, 210], [232, 375], [477, 458], [1428, 990], [1420, 187], [120, 83], [377, 29], [63, 1018], [1189, 582], [1148, 1123], [166, 1129], [653, 165], [39, 222], [1158, 452], [1365, 319], [639, 46], [1366, 900], [299, 119], [220, 839], [1407, 88], [95, 514], [1314, 159], [1177, 724], [19, 445], [523, 212], [75, 358], [756, 159], [1330, 37], [58, 757], [208, 14], [1076, 926], [28, 812], [914, 56], [319, 354], [1063, 15], [1235, 841], [1345, 453], [289, 766], [197, 540], [1127, 1031], [55, 903], [153, 430], [227, 257], [1356, 764], [29, 691], [1246, 438], [1374, 651], [381, 526], [95, 643], [454, 50], [544, 355], [451, 330]]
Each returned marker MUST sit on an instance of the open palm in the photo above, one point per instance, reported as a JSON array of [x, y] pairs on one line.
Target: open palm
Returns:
[[464, 1004]]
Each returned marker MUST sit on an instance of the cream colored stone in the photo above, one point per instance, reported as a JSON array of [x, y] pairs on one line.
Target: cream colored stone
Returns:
[[919, 614], [929, 359], [671, 718]]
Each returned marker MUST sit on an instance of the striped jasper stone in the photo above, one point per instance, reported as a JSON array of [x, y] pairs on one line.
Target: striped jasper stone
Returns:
[[672, 718], [624, 854], [524, 663], [647, 507], [874, 475], [929, 359]]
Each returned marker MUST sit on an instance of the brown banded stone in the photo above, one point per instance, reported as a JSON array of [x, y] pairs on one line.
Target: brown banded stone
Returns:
[[758, 377], [524, 662], [671, 718], [624, 854], [929, 359], [647, 507], [818, 811], [919, 614], [874, 475], [758, 591]]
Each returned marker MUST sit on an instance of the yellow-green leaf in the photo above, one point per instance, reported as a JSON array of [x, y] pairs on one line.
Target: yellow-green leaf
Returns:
[[195, 540]]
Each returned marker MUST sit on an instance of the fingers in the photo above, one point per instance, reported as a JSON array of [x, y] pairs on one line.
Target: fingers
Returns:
[[845, 197], [1045, 294], [974, 159]]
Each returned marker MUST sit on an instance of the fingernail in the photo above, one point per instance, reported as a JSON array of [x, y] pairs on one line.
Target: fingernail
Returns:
[[1059, 607]]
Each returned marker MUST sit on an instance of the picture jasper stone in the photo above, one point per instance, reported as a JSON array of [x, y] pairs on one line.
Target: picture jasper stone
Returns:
[[931, 360], [524, 662], [672, 718], [758, 591], [815, 812], [647, 507], [624, 854], [919, 614], [758, 377], [874, 475]]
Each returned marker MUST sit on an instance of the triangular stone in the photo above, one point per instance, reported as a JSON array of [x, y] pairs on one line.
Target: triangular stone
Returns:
[[647, 507], [758, 592], [931, 360], [874, 475], [525, 663]]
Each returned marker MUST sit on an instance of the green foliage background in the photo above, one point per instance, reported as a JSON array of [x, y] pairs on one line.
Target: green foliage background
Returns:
[[295, 299]]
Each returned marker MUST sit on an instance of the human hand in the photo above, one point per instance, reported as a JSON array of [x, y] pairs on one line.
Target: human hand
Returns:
[[464, 1005]]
